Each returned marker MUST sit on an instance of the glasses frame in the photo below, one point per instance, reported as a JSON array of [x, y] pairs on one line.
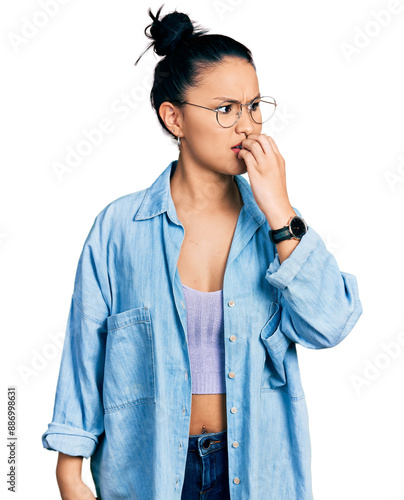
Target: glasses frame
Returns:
[[216, 110]]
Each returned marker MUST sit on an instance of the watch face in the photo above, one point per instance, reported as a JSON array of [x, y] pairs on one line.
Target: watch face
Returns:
[[298, 227]]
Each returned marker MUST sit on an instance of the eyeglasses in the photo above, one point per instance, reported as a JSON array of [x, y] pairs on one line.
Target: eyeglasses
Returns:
[[228, 113]]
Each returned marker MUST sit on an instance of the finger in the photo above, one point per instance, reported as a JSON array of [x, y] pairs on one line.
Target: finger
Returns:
[[274, 146], [254, 148], [265, 143], [276, 150], [253, 145], [263, 140], [281, 162], [248, 158]]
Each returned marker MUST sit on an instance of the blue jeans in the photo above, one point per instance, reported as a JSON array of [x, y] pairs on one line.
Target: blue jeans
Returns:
[[206, 472]]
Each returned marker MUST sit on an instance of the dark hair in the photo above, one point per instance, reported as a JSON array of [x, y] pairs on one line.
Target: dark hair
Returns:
[[189, 52]]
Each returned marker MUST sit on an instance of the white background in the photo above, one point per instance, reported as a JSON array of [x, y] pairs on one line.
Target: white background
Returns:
[[339, 126]]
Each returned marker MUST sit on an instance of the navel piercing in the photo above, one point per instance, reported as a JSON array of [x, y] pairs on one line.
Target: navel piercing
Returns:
[[204, 431]]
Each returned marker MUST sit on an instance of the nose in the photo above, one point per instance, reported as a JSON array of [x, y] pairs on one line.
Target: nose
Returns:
[[245, 122]]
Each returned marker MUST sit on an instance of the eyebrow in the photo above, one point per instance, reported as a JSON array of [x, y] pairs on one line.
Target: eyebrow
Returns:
[[230, 99]]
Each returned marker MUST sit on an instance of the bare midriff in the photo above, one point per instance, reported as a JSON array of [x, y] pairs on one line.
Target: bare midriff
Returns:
[[208, 413]]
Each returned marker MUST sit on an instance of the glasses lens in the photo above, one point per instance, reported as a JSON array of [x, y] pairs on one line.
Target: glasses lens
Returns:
[[228, 113], [262, 109]]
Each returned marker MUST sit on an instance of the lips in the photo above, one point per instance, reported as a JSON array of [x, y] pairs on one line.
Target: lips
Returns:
[[239, 144]]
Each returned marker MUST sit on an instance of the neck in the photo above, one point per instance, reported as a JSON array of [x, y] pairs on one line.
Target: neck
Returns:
[[198, 189]]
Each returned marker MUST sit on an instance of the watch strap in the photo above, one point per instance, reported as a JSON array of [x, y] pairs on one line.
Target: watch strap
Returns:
[[280, 234]]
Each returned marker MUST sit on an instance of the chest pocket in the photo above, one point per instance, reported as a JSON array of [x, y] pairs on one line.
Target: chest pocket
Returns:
[[129, 375]]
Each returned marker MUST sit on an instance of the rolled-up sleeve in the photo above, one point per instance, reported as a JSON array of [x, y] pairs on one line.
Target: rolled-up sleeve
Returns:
[[78, 417], [319, 304]]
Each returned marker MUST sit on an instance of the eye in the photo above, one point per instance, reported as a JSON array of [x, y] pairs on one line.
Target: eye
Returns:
[[255, 106], [226, 107]]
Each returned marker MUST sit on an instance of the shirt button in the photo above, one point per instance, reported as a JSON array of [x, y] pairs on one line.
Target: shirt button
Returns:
[[231, 303], [233, 338], [235, 444], [236, 480], [232, 374], [234, 409]]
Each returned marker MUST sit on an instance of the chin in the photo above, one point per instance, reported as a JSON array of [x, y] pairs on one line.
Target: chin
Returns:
[[243, 168], [239, 169]]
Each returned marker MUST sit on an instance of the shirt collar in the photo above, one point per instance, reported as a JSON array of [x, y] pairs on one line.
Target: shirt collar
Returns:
[[158, 198]]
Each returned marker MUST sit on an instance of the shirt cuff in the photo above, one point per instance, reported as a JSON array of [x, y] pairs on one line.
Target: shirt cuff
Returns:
[[280, 275], [69, 440]]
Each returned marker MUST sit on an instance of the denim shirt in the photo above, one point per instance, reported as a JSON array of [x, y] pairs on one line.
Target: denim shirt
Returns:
[[124, 394]]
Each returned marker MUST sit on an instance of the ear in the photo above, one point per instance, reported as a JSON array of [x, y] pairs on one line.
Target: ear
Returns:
[[171, 116]]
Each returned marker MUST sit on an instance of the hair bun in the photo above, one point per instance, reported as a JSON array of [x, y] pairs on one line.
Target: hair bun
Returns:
[[169, 31]]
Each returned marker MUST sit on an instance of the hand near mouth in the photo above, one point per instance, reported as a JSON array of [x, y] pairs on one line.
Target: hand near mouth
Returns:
[[266, 172]]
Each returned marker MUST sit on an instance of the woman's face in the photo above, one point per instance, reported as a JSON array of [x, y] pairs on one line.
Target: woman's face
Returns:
[[204, 141]]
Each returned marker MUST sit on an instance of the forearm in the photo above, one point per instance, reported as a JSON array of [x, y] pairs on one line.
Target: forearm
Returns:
[[68, 475]]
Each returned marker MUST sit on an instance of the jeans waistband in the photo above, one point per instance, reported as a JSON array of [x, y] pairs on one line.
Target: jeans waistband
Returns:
[[207, 443]]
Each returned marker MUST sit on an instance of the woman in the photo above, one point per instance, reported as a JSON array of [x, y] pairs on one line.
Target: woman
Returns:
[[179, 375]]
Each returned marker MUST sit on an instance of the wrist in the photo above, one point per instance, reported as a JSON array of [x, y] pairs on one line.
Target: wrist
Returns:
[[69, 485], [279, 219]]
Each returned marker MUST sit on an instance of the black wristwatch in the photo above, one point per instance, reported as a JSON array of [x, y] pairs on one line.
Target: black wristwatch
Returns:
[[296, 228]]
